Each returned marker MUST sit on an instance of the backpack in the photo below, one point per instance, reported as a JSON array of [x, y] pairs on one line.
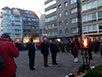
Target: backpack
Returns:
[[2, 61]]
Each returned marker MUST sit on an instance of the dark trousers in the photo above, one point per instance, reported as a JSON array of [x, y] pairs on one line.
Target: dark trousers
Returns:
[[45, 58], [54, 58], [14, 75], [90, 54], [101, 53], [31, 61]]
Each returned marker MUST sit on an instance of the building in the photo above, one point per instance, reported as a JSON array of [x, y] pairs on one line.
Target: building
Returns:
[[68, 18], [12, 22], [91, 12], [30, 21], [51, 18], [18, 23], [1, 26], [62, 18], [42, 23]]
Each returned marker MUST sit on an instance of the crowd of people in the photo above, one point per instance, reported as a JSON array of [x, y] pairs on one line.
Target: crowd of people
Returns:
[[8, 52]]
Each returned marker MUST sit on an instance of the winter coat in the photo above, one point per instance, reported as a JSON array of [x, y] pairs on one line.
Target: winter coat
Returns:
[[31, 49], [74, 50], [8, 50], [45, 48], [54, 48]]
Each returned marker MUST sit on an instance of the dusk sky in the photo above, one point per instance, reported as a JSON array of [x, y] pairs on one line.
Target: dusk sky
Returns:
[[33, 5]]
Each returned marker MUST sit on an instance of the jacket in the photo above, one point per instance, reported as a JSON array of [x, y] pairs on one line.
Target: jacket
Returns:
[[8, 50], [31, 49], [54, 48], [45, 48]]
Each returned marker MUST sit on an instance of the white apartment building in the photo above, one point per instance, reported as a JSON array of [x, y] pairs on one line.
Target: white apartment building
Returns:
[[12, 22], [18, 23], [1, 26]]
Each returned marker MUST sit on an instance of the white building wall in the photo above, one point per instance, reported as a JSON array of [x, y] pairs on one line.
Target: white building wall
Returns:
[[12, 24], [1, 27]]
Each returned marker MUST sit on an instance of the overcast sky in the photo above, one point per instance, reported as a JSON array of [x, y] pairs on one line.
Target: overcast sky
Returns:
[[33, 5]]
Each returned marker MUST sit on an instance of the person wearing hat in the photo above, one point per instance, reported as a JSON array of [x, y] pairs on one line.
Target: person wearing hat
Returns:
[[8, 49], [45, 51]]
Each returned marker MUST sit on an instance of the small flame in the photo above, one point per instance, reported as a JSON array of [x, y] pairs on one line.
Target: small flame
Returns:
[[85, 42]]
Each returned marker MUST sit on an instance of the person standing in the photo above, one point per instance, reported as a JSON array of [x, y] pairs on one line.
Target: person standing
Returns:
[[88, 46], [45, 51], [54, 49], [96, 46], [75, 49], [8, 51], [31, 54]]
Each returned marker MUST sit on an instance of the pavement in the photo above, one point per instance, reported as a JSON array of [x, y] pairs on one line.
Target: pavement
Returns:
[[64, 60]]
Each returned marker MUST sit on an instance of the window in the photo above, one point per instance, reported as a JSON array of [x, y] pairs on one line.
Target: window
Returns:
[[60, 23], [53, 25], [66, 4], [90, 28], [66, 31], [50, 4], [85, 29], [89, 17], [95, 27], [59, 6], [99, 3], [74, 10], [100, 27], [89, 6], [50, 19], [66, 22], [59, 15], [66, 13], [60, 31], [74, 20], [74, 30], [50, 11], [100, 15], [49, 26], [73, 1]]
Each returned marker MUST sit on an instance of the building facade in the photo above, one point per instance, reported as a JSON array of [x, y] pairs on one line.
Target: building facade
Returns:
[[30, 21], [91, 13], [51, 18], [42, 23], [62, 18], [1, 24], [18, 22], [68, 18], [74, 18]]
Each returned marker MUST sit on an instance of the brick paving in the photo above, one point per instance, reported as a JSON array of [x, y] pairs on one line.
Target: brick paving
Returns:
[[64, 60]]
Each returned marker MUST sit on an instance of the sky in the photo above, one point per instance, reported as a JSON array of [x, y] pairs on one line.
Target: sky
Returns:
[[33, 5]]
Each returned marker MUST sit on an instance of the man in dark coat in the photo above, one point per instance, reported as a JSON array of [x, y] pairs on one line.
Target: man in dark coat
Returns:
[[90, 46], [54, 49], [45, 51], [96, 46], [31, 54]]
